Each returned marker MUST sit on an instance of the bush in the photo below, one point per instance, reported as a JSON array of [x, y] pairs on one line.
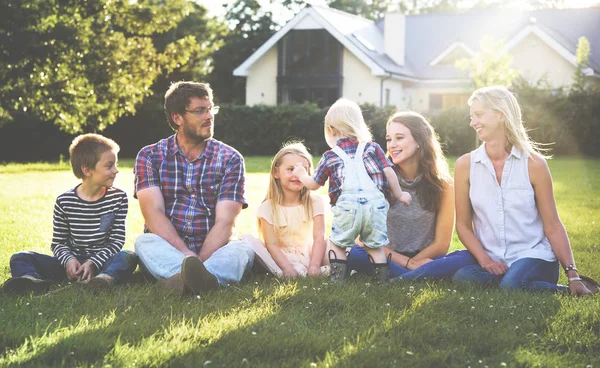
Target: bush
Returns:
[[571, 121]]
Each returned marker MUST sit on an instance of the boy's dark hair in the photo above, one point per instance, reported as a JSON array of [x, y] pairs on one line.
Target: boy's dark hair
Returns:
[[86, 150], [178, 97]]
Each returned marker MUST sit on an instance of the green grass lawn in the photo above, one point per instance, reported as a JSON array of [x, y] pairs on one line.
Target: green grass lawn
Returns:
[[299, 323]]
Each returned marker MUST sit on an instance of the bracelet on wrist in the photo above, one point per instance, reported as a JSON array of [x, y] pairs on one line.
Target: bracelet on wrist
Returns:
[[407, 261], [570, 267], [574, 279]]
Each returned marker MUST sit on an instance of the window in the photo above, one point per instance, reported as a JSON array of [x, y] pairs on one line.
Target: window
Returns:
[[438, 101], [309, 68]]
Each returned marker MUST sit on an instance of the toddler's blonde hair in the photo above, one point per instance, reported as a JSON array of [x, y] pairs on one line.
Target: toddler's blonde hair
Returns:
[[345, 118]]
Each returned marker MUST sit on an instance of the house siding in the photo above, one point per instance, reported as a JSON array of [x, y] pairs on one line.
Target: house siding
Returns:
[[359, 84], [261, 84], [535, 59]]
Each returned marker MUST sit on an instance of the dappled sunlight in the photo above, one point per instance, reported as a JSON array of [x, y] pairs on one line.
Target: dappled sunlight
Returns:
[[184, 336], [37, 346]]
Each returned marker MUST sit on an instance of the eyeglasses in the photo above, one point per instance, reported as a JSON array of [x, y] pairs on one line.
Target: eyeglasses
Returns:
[[203, 110]]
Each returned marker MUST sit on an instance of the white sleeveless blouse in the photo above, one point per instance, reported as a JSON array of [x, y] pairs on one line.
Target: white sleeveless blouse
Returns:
[[505, 217]]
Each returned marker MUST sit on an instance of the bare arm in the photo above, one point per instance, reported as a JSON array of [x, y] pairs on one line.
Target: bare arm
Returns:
[[307, 180], [403, 197], [152, 205], [464, 218], [220, 233], [319, 245], [541, 180], [270, 238], [444, 226]]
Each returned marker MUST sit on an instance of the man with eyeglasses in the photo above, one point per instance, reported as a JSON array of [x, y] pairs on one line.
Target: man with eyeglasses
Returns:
[[190, 187]]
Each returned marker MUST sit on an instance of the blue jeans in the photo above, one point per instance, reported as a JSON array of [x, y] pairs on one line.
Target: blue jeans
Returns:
[[441, 267], [526, 273], [45, 267], [160, 259]]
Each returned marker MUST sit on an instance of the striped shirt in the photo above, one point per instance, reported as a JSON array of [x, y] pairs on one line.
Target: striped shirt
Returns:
[[191, 189], [92, 229], [331, 167]]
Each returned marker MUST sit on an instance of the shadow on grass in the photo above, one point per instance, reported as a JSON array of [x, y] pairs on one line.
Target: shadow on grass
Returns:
[[266, 322]]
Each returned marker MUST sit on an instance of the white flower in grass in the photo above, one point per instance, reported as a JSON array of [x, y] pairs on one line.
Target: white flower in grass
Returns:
[[503, 364], [206, 363], [253, 332], [27, 304], [387, 304], [40, 313], [244, 361], [313, 364], [409, 353]]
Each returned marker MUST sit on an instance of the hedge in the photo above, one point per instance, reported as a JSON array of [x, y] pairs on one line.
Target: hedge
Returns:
[[569, 121]]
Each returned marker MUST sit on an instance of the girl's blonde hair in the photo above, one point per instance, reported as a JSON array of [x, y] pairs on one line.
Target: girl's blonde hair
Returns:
[[432, 163], [500, 99], [345, 118], [275, 191]]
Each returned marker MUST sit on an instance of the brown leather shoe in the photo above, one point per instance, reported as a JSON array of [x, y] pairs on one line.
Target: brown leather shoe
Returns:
[[196, 277], [174, 284]]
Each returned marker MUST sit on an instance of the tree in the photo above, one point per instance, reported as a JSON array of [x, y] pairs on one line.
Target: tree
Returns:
[[491, 66], [83, 64], [249, 27], [582, 56], [373, 9]]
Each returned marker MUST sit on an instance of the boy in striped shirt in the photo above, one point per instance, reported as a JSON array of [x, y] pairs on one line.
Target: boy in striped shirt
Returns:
[[88, 227]]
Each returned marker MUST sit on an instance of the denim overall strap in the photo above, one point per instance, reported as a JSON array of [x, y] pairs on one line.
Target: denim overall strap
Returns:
[[356, 177]]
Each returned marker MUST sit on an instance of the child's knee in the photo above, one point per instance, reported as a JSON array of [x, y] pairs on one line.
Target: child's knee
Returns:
[[20, 256]]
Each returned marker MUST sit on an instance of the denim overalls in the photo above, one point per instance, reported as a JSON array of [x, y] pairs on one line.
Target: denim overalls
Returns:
[[361, 208]]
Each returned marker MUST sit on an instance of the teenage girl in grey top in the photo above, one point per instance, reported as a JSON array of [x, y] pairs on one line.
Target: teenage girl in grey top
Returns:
[[505, 210], [420, 234]]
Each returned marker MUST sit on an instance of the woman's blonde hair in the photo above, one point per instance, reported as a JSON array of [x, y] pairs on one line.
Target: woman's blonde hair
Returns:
[[500, 99], [275, 191], [432, 163], [345, 118]]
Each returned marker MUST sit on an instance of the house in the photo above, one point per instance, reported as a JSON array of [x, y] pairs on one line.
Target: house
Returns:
[[323, 54]]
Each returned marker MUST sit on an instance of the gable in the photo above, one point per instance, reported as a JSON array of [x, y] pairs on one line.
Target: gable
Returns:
[[455, 52]]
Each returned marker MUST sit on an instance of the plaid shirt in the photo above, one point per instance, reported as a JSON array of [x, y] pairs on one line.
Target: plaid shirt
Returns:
[[331, 167], [191, 189]]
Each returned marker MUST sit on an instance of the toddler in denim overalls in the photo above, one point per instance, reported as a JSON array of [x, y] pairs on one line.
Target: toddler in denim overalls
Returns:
[[356, 188]]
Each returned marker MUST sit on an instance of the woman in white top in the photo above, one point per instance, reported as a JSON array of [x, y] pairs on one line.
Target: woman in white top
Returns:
[[505, 210]]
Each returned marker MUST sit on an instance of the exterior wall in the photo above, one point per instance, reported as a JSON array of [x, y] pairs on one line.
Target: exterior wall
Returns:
[[535, 59], [397, 94], [419, 96], [261, 83], [359, 84]]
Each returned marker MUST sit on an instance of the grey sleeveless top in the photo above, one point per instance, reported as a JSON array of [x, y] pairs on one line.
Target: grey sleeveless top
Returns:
[[410, 229]]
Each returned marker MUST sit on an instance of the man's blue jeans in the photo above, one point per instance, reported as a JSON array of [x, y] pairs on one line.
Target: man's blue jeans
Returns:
[[161, 260], [439, 268], [527, 274], [45, 267]]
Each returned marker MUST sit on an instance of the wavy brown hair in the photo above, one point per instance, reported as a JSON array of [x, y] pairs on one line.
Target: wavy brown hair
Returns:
[[432, 162]]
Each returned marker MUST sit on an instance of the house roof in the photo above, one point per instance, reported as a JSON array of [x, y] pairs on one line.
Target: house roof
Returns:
[[429, 36]]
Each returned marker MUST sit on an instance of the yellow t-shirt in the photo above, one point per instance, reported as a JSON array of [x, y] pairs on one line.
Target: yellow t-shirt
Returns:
[[296, 232]]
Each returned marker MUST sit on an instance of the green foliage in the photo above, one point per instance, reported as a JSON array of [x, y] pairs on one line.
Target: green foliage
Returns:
[[491, 66], [453, 129], [582, 56], [368, 9], [83, 64], [264, 322], [250, 26]]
